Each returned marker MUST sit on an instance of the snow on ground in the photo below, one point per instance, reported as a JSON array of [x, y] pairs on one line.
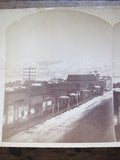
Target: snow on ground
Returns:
[[53, 129]]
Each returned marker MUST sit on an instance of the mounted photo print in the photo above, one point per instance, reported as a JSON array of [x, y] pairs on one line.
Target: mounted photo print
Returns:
[[60, 83]]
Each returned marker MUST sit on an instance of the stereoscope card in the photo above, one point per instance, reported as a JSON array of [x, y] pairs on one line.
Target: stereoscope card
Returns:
[[60, 77]]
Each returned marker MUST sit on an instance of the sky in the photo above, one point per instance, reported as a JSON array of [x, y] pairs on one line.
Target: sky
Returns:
[[116, 53], [58, 42]]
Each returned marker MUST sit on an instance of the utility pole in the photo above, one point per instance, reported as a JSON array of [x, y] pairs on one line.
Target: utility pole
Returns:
[[29, 75]]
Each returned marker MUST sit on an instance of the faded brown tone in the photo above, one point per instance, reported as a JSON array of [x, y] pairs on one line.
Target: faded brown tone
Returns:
[[76, 153]]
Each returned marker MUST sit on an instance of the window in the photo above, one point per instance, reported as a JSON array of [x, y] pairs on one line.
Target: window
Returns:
[[49, 102]]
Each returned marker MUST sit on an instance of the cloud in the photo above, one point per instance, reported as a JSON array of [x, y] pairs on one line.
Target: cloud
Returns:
[[48, 63], [45, 68]]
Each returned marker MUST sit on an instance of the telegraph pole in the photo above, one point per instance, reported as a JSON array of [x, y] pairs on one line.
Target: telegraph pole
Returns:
[[29, 74]]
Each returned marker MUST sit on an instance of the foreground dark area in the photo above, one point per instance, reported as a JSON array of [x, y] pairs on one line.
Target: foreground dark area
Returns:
[[59, 154], [97, 123]]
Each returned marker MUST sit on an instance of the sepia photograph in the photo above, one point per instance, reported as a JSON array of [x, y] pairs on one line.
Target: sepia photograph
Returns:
[[116, 78], [62, 78]]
